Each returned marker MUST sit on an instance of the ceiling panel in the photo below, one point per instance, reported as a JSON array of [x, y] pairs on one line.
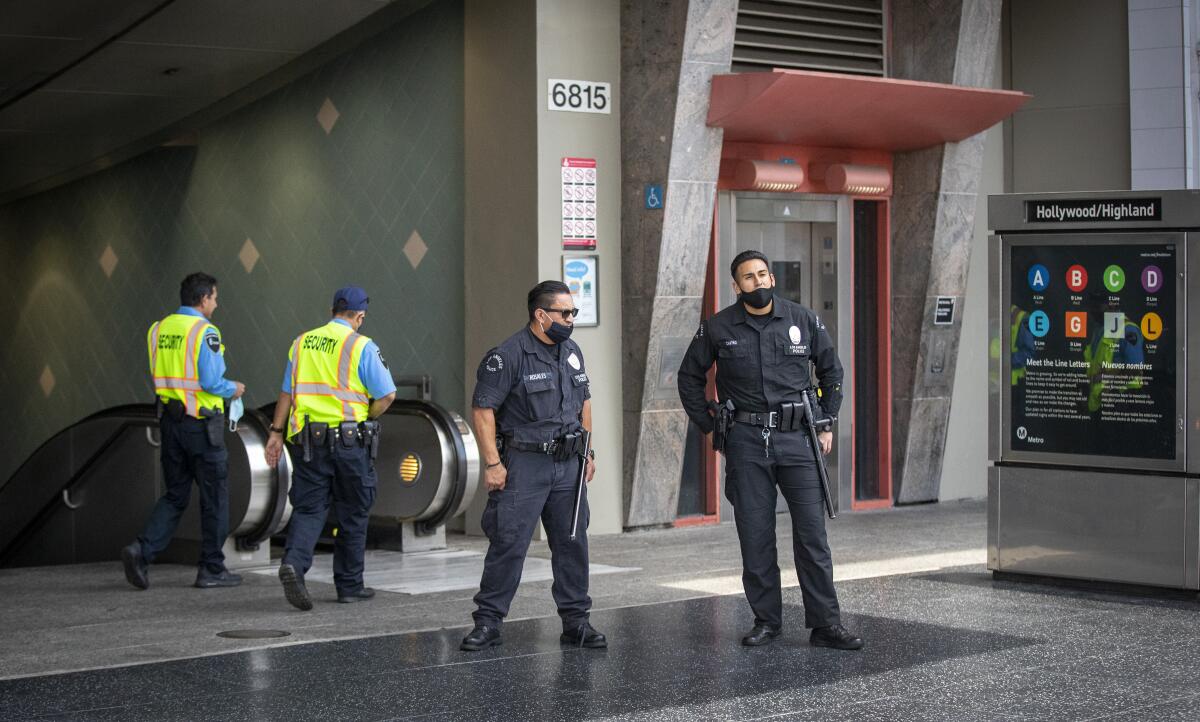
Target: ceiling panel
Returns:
[[284, 25], [83, 81], [197, 72]]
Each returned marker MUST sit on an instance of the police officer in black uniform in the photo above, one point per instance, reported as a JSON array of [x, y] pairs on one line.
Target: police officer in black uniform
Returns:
[[764, 347], [532, 396]]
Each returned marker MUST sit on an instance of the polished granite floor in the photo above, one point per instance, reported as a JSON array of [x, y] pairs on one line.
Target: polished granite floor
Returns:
[[946, 645]]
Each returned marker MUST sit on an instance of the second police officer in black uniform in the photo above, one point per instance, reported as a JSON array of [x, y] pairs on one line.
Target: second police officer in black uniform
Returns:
[[532, 395], [764, 347]]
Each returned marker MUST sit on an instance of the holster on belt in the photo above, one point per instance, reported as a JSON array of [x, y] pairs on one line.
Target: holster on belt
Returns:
[[723, 416], [569, 446], [316, 433], [214, 428], [172, 408], [371, 430]]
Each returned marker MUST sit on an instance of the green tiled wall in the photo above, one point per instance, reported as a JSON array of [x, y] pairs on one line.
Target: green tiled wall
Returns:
[[313, 210]]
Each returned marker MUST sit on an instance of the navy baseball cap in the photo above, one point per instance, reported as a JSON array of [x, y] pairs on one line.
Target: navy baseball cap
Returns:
[[354, 297]]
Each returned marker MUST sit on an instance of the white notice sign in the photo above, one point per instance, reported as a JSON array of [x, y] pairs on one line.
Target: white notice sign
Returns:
[[581, 274], [579, 204]]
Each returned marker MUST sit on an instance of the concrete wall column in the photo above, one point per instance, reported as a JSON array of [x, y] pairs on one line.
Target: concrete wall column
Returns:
[[933, 222], [514, 147], [668, 312], [1162, 105]]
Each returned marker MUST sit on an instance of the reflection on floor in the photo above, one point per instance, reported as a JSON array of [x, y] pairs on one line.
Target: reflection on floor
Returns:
[[445, 570], [949, 645]]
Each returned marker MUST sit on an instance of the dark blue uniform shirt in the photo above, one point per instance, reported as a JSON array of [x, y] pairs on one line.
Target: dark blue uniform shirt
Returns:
[[760, 368], [536, 390]]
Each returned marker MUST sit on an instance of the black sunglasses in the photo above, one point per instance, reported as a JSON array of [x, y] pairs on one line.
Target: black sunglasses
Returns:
[[566, 312]]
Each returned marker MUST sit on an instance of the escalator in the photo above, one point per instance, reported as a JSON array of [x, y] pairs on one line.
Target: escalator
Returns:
[[87, 491]]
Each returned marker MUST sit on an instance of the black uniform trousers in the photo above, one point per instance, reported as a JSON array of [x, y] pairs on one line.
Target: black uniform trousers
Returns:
[[187, 454], [537, 486], [345, 477], [753, 470]]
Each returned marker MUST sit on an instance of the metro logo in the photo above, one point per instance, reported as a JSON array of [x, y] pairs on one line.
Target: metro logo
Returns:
[[1076, 324], [1077, 278]]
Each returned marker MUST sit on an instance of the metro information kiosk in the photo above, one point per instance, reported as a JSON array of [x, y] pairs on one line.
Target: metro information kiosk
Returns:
[[1094, 403]]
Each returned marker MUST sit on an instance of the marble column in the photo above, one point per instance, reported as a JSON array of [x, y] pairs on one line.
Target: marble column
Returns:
[[671, 50], [933, 217]]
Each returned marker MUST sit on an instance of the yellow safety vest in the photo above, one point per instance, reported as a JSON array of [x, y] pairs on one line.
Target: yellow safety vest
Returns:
[[325, 383], [174, 346], [1017, 374]]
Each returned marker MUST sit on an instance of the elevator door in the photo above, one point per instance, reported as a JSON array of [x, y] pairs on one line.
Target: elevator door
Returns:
[[800, 237]]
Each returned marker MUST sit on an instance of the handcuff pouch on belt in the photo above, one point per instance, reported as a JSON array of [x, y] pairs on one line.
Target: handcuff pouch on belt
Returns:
[[348, 433]]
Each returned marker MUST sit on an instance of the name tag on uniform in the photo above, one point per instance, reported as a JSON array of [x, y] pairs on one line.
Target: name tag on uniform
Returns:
[[796, 350], [538, 377], [728, 343]]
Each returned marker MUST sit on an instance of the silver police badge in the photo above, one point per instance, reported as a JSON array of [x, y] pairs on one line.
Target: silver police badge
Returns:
[[574, 361], [794, 334]]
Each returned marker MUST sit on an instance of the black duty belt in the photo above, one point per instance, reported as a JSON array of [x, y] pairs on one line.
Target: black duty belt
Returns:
[[768, 419], [548, 447], [561, 448]]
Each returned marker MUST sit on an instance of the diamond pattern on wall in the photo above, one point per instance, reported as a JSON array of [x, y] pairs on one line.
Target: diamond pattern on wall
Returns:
[[108, 260], [415, 249], [249, 255], [328, 116], [327, 211]]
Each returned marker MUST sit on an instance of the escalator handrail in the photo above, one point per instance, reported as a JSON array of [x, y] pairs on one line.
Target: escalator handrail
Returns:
[[271, 522], [14, 543]]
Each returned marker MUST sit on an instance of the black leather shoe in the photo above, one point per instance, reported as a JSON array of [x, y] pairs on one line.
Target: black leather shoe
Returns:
[[835, 637], [760, 635], [481, 637], [207, 580], [293, 587], [135, 566], [361, 595], [584, 636]]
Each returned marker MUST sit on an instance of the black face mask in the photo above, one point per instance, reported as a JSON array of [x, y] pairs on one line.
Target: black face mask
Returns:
[[758, 298], [558, 332]]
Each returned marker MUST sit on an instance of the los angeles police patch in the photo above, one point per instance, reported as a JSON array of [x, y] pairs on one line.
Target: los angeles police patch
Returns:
[[493, 363], [700, 331]]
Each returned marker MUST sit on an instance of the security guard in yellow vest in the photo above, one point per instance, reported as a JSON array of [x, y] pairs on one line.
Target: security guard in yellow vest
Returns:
[[327, 413], [187, 364]]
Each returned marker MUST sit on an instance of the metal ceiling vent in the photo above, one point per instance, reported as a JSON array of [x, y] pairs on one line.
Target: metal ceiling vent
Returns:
[[838, 36]]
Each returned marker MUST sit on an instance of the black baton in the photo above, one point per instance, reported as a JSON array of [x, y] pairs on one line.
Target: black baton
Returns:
[[581, 483], [810, 421]]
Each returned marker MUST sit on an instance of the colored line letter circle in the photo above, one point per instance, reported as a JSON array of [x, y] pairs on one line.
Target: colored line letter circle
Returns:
[[1114, 278], [1039, 277], [1076, 278], [1039, 323]]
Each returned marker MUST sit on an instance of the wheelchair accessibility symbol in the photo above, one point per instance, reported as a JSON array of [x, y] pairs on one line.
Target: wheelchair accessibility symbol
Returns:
[[654, 197]]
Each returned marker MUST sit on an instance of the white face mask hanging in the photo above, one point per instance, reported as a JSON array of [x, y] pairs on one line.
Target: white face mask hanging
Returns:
[[236, 409]]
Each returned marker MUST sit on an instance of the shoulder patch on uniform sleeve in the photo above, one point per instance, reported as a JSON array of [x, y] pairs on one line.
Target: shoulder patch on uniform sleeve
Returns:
[[213, 341], [700, 331], [820, 325], [494, 363], [382, 360]]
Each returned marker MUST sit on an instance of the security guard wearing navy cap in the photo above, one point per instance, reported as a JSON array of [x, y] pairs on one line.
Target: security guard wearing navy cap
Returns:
[[187, 363], [335, 387], [532, 394], [765, 347]]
